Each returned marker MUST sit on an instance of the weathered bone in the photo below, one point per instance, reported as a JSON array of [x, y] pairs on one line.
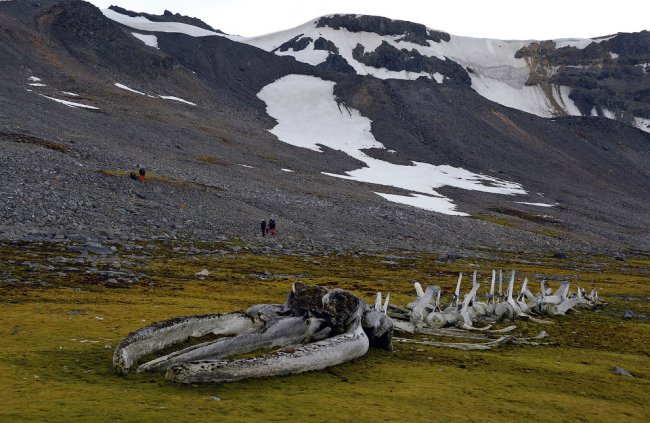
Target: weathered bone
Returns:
[[457, 292], [278, 333], [418, 290], [314, 356], [163, 334], [462, 346]]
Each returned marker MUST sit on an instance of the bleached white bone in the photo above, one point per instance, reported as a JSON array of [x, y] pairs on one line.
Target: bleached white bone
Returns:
[[500, 283], [378, 302], [524, 284], [494, 275], [385, 309], [418, 290], [468, 298], [315, 356]]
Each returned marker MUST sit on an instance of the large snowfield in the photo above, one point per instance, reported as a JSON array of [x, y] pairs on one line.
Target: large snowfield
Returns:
[[308, 116]]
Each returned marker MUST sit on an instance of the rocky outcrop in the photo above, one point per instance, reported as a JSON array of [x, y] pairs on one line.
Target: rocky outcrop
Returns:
[[607, 77], [323, 44], [391, 58], [411, 32], [167, 16], [336, 63], [297, 43]]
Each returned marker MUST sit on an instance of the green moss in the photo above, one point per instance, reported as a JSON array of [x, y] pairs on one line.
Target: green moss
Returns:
[[31, 139], [212, 160], [166, 179], [497, 220]]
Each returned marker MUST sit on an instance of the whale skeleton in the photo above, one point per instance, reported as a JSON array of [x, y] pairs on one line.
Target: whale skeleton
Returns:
[[426, 316], [317, 328]]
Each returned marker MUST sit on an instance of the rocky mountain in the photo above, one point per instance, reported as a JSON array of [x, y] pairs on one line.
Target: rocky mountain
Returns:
[[352, 131], [605, 76]]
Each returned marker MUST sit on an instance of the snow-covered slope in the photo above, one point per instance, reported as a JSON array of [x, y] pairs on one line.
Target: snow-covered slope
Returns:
[[495, 72], [493, 67], [309, 116]]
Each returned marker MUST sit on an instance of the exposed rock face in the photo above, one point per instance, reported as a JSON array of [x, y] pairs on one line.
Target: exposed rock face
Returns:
[[609, 76], [323, 44], [389, 57], [412, 32], [297, 43], [87, 35], [336, 63], [167, 16]]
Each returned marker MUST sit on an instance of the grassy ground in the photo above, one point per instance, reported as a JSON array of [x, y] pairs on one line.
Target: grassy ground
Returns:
[[58, 333]]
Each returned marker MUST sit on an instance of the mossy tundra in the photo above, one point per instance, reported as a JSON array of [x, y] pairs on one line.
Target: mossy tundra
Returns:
[[61, 317]]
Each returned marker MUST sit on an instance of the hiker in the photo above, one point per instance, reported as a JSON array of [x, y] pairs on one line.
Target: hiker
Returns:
[[142, 172], [263, 227], [133, 176], [272, 226]]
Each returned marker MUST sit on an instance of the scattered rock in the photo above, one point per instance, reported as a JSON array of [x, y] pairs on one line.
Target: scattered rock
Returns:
[[203, 272], [560, 255], [621, 371], [628, 314], [92, 247]]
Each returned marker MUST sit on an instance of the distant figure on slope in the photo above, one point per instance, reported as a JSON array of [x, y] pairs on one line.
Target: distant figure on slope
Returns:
[[142, 172], [272, 226], [133, 176], [263, 227]]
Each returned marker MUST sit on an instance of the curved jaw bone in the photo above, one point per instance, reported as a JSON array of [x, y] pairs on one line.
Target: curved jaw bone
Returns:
[[160, 335], [335, 319], [314, 356], [279, 333]]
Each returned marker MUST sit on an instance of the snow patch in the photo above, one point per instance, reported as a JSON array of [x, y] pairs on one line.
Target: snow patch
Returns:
[[124, 87], [169, 97], [150, 40], [143, 24], [561, 95], [70, 94], [308, 116], [426, 202], [608, 113], [34, 79], [644, 66], [613, 55], [246, 166], [70, 103], [578, 43], [642, 124], [37, 84], [287, 170]]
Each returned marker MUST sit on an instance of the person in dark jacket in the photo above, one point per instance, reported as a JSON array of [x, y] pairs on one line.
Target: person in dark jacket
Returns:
[[142, 173], [272, 226], [263, 227]]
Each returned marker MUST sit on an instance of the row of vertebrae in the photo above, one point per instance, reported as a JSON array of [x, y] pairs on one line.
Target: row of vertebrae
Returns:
[[464, 311]]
